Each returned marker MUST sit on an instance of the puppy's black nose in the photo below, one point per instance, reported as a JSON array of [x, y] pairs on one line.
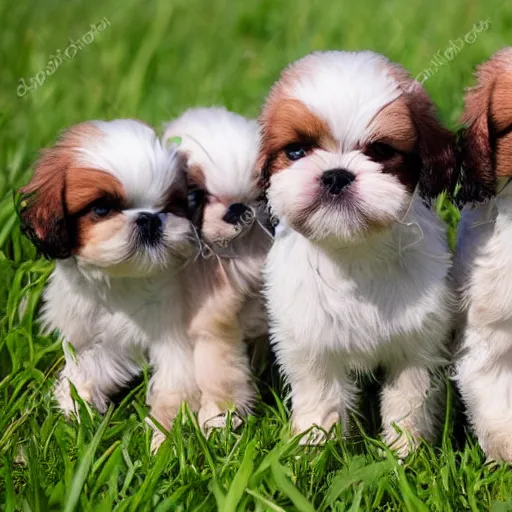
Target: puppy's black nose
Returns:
[[150, 227], [234, 213], [335, 180]]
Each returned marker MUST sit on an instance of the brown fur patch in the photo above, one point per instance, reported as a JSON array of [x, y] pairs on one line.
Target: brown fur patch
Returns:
[[435, 143], [501, 102], [220, 355], [487, 112], [42, 213], [176, 195], [289, 120], [195, 176], [59, 190], [393, 125], [405, 166], [91, 233], [84, 186], [285, 121], [504, 156]]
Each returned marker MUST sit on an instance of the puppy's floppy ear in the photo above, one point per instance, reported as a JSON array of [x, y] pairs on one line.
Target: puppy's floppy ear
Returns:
[[477, 139], [261, 169], [436, 145], [477, 179], [42, 209]]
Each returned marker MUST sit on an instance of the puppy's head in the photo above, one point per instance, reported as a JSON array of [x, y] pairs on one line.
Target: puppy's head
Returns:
[[221, 149], [110, 195], [346, 139], [486, 141]]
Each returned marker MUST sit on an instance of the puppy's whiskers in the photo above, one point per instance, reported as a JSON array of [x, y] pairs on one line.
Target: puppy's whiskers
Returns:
[[415, 224], [489, 215], [491, 209], [316, 268], [222, 268]]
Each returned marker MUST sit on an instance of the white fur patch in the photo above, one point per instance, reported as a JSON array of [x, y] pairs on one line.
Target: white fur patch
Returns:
[[484, 358], [223, 144]]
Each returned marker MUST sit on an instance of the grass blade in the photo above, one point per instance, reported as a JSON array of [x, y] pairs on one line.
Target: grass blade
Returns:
[[241, 479], [287, 488], [85, 465]]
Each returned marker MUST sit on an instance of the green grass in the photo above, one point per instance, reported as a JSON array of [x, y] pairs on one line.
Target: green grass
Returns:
[[154, 60]]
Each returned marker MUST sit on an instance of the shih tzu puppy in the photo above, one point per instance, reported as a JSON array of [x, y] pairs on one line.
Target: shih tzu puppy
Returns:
[[352, 153], [110, 204], [484, 257], [220, 149]]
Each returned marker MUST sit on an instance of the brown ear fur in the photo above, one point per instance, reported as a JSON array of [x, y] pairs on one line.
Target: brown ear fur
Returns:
[[436, 144], [476, 148], [478, 180], [43, 216], [43, 213], [262, 169]]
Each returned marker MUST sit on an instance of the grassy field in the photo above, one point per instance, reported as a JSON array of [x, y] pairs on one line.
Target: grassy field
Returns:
[[153, 60]]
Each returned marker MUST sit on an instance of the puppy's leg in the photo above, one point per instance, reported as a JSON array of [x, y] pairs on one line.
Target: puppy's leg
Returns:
[[223, 375], [172, 383], [221, 361], [485, 382], [96, 372], [321, 395], [411, 399]]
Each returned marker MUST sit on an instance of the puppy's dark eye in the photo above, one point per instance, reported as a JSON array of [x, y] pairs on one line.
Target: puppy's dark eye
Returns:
[[195, 199], [296, 151], [101, 211], [104, 207], [379, 151]]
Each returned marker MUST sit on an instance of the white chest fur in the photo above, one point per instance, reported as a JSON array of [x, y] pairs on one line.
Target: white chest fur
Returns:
[[125, 313], [365, 305]]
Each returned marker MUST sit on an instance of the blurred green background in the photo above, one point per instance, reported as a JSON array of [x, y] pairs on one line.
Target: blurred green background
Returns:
[[151, 60]]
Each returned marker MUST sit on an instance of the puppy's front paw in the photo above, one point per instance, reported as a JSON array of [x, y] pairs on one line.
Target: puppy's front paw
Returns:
[[498, 446], [165, 406], [62, 393], [220, 421], [210, 417], [157, 436], [319, 427], [157, 439], [400, 442], [315, 437]]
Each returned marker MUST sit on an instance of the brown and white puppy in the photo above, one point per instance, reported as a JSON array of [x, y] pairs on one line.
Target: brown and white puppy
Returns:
[[352, 152], [220, 148], [484, 257], [109, 203]]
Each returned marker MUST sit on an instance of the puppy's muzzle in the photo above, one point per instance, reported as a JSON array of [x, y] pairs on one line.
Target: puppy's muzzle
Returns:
[[335, 180], [238, 213], [150, 227]]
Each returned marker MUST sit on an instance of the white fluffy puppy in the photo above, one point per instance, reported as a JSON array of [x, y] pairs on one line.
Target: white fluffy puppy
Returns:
[[357, 275], [220, 149], [484, 257], [110, 203]]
